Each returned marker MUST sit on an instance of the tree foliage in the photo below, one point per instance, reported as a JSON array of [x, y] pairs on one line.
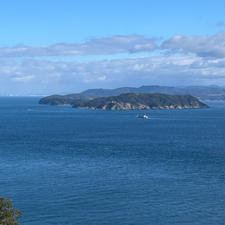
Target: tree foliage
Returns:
[[8, 214]]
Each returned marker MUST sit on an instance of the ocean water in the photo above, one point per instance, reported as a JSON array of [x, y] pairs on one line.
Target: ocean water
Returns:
[[67, 166]]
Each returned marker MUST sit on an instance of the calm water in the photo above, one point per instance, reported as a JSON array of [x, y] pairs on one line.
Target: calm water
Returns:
[[67, 166]]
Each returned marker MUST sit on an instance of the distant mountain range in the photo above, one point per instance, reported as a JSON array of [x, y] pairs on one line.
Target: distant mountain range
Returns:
[[202, 93]]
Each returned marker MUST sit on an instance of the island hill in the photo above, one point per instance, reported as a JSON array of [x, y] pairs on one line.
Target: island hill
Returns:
[[127, 101]]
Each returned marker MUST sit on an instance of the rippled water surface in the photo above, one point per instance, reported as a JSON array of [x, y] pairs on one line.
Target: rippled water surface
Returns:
[[67, 166]]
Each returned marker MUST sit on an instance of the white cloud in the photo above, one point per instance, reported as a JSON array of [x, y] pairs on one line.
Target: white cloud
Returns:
[[201, 61], [204, 46], [47, 77], [23, 78], [98, 46], [102, 78]]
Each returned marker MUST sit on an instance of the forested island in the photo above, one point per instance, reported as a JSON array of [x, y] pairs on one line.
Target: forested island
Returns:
[[129, 101], [201, 92]]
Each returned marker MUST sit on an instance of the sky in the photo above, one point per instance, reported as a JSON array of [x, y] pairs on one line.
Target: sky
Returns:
[[67, 46]]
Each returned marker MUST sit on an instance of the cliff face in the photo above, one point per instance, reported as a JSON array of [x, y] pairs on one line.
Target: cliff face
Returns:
[[134, 101]]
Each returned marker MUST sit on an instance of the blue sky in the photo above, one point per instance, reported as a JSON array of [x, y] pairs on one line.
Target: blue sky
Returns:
[[66, 46]]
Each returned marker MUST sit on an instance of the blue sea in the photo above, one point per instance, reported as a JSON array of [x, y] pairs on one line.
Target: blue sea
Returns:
[[65, 166]]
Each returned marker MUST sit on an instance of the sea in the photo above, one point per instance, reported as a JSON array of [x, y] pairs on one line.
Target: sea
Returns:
[[66, 166]]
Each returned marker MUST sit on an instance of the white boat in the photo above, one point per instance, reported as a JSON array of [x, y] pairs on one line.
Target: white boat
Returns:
[[142, 116]]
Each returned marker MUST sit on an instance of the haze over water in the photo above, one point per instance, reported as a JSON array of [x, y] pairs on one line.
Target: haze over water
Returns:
[[67, 166]]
